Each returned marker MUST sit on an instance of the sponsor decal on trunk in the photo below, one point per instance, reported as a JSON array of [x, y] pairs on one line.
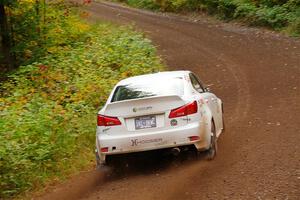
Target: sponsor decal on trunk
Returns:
[[142, 108]]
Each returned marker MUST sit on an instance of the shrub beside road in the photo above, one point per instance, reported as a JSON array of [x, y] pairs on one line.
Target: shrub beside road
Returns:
[[281, 15], [48, 107]]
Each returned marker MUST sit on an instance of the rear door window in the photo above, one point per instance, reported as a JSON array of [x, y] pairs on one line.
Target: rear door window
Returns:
[[196, 83]]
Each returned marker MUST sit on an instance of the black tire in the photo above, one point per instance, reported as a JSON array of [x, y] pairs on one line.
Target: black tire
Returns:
[[213, 149], [98, 164], [223, 121], [101, 167]]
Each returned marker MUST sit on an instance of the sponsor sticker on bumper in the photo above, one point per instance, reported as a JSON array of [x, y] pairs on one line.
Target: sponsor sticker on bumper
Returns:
[[136, 142]]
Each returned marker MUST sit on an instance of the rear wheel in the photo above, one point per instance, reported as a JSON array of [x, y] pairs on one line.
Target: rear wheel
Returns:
[[98, 164], [212, 151], [223, 121]]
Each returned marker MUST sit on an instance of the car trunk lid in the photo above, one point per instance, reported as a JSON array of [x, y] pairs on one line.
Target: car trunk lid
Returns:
[[145, 114], [144, 106]]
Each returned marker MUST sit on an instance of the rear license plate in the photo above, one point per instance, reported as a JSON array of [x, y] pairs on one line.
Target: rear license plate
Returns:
[[145, 122]]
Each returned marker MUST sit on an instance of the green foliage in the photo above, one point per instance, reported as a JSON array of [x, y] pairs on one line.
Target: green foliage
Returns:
[[36, 27], [8, 2], [48, 108], [276, 14], [148, 4]]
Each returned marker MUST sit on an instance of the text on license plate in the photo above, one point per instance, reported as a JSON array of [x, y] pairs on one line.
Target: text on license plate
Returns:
[[145, 122]]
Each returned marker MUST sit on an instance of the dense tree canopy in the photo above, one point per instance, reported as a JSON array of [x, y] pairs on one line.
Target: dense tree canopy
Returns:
[[21, 22], [5, 36]]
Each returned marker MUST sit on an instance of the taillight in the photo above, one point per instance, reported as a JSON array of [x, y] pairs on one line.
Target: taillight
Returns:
[[194, 138], [185, 110], [107, 121], [104, 149]]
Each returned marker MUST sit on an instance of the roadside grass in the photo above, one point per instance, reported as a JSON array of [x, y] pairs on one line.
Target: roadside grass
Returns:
[[279, 15], [48, 108]]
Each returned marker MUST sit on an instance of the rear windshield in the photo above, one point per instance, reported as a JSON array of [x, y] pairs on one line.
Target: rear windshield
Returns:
[[148, 89]]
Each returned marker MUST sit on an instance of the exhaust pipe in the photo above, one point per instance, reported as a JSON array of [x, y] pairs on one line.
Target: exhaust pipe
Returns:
[[175, 151]]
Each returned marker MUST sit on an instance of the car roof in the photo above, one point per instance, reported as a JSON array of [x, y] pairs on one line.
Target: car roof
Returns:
[[154, 76]]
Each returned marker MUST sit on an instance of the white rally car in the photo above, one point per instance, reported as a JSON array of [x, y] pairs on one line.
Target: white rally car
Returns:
[[159, 111]]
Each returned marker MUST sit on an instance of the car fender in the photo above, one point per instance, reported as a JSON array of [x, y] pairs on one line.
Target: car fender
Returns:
[[97, 151], [206, 121], [220, 105], [207, 117], [220, 125]]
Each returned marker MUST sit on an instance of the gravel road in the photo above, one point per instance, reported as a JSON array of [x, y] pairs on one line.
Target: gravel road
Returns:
[[257, 75]]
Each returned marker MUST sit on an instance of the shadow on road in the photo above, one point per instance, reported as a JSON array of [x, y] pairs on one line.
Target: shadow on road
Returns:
[[148, 163], [122, 166]]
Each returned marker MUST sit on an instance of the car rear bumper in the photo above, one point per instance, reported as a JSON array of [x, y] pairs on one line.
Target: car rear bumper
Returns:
[[137, 142]]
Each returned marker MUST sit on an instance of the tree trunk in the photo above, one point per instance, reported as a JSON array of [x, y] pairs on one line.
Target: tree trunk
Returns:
[[6, 58]]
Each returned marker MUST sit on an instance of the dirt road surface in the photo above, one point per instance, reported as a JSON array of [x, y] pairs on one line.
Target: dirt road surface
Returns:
[[257, 75]]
